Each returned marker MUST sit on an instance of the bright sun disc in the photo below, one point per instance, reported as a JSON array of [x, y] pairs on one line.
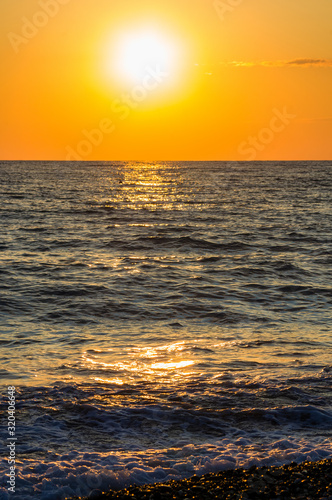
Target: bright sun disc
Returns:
[[139, 52]]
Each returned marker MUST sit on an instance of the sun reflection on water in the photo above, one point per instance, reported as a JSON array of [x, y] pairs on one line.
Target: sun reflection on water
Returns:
[[116, 381], [143, 186], [148, 363], [171, 366]]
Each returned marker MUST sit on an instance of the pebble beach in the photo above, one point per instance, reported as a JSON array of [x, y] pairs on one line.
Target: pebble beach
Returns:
[[305, 481]]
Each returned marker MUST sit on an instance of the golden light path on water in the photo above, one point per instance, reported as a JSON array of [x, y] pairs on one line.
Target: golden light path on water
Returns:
[[146, 187], [139, 365], [153, 252]]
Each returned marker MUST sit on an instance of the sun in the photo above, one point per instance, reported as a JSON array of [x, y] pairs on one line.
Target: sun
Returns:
[[138, 52]]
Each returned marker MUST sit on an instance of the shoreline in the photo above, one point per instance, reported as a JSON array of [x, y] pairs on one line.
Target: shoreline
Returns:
[[304, 481]]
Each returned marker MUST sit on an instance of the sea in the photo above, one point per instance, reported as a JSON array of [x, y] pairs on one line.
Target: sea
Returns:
[[162, 319]]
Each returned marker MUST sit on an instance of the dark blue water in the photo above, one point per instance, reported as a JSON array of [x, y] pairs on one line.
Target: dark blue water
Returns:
[[162, 319]]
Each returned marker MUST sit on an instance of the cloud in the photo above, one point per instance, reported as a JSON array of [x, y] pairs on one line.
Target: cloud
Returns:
[[279, 64], [310, 62], [213, 69]]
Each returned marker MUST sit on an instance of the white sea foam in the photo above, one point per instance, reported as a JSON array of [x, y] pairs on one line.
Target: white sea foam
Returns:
[[68, 446], [79, 473]]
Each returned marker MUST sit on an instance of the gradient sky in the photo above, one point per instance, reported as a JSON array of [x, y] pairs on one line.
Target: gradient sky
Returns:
[[228, 80]]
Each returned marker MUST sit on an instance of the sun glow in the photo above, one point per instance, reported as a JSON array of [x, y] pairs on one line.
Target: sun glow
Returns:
[[141, 51], [147, 56]]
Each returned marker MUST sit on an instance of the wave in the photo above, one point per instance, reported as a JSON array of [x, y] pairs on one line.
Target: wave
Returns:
[[82, 438], [184, 242]]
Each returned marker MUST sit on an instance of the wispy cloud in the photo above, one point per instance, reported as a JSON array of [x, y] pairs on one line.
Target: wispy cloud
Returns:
[[294, 62], [310, 62]]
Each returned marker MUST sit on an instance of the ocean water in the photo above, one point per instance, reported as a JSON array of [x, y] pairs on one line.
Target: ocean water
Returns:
[[163, 319]]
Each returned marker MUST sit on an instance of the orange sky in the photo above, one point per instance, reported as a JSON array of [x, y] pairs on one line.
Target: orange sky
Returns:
[[245, 80]]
